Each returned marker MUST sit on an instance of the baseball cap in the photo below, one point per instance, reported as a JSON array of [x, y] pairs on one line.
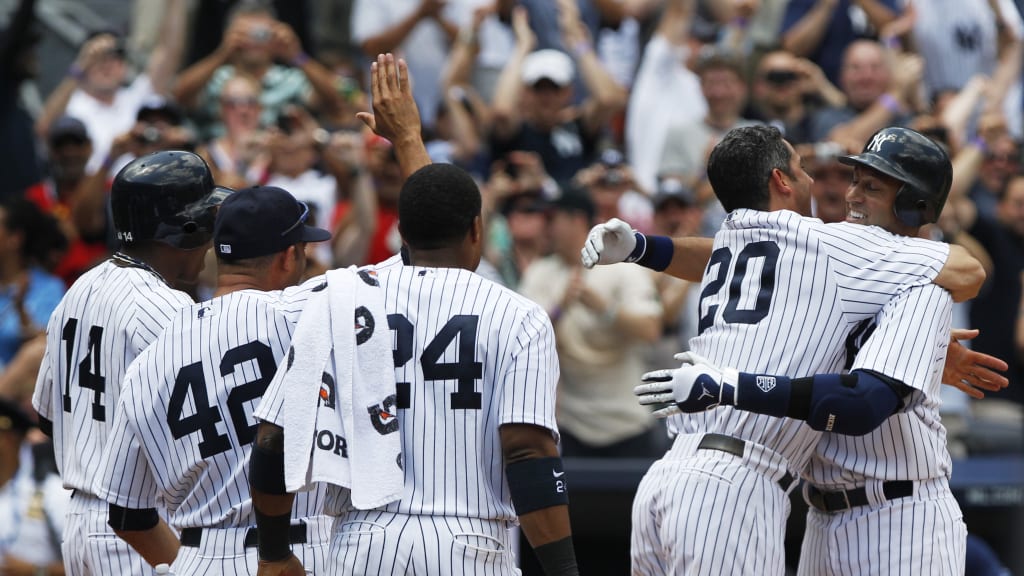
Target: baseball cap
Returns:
[[548, 64], [260, 221], [67, 127], [673, 189], [575, 200], [12, 417], [156, 108]]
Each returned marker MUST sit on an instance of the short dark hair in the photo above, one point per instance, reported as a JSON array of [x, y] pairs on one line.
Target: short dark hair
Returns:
[[740, 166], [437, 206], [42, 236]]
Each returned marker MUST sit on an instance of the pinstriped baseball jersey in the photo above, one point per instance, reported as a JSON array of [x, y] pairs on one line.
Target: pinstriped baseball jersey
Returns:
[[779, 296], [909, 344], [105, 320], [184, 427], [470, 355]]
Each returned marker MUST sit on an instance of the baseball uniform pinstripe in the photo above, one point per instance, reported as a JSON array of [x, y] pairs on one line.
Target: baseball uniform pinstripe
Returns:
[[920, 534], [183, 430], [105, 320], [470, 356], [779, 296]]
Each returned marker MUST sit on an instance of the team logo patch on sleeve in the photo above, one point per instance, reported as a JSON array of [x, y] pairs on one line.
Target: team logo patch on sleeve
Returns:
[[766, 383], [384, 416]]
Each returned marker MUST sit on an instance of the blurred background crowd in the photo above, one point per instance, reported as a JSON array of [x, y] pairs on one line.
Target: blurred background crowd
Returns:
[[567, 112]]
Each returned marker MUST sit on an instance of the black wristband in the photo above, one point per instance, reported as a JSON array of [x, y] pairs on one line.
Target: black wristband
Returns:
[[272, 532], [558, 558], [131, 519]]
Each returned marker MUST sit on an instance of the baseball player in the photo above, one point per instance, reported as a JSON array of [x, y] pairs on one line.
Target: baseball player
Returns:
[[883, 460], [182, 427], [476, 369], [697, 511], [163, 209]]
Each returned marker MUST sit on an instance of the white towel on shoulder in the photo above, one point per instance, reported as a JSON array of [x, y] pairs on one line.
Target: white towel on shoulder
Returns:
[[339, 412]]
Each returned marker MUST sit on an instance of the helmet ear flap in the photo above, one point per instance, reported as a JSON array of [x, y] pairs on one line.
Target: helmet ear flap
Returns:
[[910, 208]]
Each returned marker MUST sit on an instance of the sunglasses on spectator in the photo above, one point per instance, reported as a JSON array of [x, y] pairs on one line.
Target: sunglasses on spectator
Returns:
[[780, 77], [238, 102], [1005, 157]]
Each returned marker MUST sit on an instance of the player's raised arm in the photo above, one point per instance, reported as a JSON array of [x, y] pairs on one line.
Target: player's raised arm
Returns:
[[395, 115], [540, 495], [616, 241], [272, 504]]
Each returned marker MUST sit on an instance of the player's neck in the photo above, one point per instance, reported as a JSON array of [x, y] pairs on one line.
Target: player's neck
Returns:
[[233, 282], [153, 258], [439, 258]]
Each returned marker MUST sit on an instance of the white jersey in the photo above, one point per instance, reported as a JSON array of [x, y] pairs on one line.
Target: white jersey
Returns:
[[780, 295], [909, 344], [184, 426], [109, 316], [470, 356]]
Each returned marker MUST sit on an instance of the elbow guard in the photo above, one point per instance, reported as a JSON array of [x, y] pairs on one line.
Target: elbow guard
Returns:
[[536, 483], [131, 519], [852, 404]]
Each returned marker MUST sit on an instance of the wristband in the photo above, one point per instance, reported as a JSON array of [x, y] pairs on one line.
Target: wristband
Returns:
[[75, 71], [300, 59], [658, 253], [580, 48], [558, 557], [890, 103], [272, 536]]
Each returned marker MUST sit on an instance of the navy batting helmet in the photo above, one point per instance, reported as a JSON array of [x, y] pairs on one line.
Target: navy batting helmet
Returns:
[[919, 163], [166, 196]]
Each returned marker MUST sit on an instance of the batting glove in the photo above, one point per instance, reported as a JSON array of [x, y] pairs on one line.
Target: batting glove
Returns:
[[611, 242], [690, 388]]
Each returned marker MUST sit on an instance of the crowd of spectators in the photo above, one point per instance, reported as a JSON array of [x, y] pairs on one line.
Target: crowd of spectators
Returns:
[[567, 112]]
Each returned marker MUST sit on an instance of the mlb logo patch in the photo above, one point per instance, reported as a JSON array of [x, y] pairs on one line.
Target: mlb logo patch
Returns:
[[225, 248], [766, 383]]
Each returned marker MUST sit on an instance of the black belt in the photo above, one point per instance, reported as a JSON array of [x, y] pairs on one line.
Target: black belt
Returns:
[[845, 499], [736, 447], [192, 537]]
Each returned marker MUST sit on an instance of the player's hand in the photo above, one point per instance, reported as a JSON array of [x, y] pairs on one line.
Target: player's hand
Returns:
[[970, 371], [395, 115], [689, 388], [608, 243], [290, 566]]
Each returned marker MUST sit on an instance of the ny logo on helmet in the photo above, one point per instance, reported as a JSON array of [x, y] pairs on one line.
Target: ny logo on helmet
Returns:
[[878, 139]]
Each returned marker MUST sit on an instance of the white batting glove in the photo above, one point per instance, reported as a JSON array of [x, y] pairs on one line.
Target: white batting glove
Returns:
[[690, 388], [608, 243]]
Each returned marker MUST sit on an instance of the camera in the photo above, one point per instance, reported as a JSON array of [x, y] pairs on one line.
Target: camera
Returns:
[[260, 34], [827, 151], [151, 135]]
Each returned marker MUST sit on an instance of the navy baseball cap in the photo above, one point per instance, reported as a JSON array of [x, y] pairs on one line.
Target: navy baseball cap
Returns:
[[260, 221]]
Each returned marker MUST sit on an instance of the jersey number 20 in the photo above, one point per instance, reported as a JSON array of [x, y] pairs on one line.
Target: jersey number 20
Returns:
[[733, 314]]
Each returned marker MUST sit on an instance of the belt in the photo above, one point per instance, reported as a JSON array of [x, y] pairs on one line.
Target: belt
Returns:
[[193, 537], [736, 447], [845, 499]]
